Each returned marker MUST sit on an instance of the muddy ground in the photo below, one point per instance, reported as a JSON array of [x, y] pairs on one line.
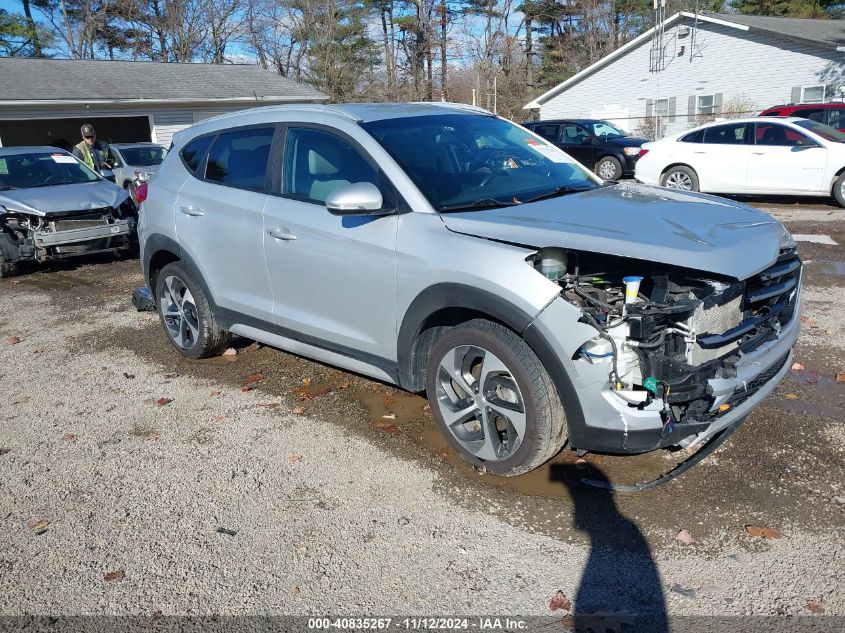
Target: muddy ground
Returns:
[[783, 469]]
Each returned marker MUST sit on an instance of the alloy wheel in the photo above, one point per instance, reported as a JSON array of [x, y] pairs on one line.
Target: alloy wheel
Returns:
[[679, 180], [180, 312], [480, 403], [607, 170]]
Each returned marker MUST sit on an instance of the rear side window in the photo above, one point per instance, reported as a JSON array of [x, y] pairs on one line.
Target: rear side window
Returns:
[[548, 132], [732, 134], [814, 114], [193, 152], [694, 137], [239, 159]]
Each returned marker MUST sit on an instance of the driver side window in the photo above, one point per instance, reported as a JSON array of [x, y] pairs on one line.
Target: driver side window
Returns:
[[574, 135], [318, 163]]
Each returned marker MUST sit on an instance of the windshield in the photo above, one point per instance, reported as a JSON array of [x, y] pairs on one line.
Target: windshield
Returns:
[[462, 161], [26, 171], [825, 131], [147, 156], [605, 129]]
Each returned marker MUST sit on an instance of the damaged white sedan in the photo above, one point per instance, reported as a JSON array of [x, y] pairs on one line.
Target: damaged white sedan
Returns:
[[446, 250], [52, 206]]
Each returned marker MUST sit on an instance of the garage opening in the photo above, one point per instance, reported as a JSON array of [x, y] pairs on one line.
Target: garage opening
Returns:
[[64, 133]]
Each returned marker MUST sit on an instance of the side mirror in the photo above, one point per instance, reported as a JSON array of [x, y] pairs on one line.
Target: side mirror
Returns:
[[360, 198]]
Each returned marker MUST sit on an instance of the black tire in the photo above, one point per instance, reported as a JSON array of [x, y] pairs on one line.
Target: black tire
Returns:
[[680, 177], [7, 269], [204, 338], [839, 190], [545, 431], [608, 168]]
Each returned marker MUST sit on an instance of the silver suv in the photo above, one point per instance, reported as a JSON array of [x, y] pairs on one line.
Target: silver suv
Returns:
[[443, 249]]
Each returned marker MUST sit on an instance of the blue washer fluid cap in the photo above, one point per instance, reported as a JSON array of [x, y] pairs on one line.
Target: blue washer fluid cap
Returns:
[[631, 279]]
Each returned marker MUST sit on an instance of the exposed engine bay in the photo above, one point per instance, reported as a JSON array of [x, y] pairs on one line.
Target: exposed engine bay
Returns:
[[42, 237], [663, 332]]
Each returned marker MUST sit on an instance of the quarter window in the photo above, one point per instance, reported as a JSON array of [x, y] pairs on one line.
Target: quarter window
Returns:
[[239, 158], [318, 163], [548, 132], [193, 152], [731, 134], [694, 137]]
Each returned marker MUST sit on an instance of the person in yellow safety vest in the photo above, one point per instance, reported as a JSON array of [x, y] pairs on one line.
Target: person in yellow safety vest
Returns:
[[90, 152]]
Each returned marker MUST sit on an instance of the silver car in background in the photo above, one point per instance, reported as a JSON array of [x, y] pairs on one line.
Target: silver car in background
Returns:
[[446, 250], [52, 207], [135, 163]]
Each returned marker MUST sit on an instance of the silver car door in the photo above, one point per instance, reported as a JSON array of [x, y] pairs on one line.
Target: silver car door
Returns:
[[333, 278], [219, 220]]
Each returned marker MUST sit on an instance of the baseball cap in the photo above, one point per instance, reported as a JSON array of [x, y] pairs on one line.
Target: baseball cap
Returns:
[[88, 130]]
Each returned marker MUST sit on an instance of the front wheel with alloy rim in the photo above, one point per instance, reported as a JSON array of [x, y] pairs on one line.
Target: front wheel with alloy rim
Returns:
[[608, 168], [186, 316], [680, 177], [493, 400]]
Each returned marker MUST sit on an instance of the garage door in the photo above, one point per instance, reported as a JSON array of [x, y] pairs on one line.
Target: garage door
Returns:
[[64, 133]]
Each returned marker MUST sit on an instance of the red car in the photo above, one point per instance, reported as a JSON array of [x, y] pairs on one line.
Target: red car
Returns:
[[832, 114]]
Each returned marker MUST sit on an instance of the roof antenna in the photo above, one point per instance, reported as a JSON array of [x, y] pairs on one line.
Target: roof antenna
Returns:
[[257, 100]]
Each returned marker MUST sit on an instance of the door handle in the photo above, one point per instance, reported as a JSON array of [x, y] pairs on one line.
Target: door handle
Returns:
[[759, 153], [191, 210], [694, 152], [281, 234]]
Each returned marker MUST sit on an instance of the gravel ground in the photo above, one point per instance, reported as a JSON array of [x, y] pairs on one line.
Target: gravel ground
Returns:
[[224, 501]]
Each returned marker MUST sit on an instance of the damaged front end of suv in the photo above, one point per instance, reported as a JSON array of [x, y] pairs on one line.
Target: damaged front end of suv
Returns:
[[52, 209], [677, 352]]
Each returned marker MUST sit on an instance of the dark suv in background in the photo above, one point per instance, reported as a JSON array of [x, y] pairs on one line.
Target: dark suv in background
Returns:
[[600, 145], [832, 114]]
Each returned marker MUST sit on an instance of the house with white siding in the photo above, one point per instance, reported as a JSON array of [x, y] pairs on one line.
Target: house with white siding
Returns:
[[46, 101], [695, 67]]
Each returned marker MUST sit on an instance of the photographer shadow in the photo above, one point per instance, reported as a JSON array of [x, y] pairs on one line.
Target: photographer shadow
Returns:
[[620, 589]]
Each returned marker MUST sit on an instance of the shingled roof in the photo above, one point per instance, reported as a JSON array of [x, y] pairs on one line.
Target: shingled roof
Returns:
[[64, 80], [829, 32]]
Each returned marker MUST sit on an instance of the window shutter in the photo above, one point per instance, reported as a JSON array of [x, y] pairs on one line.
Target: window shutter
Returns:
[[691, 108], [831, 91], [649, 107], [796, 95], [673, 103], [717, 104]]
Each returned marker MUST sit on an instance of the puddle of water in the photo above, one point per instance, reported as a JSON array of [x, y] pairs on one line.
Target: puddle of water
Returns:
[[826, 267]]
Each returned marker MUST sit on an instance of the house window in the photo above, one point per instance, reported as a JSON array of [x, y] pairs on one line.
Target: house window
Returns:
[[661, 107], [705, 105], [812, 94]]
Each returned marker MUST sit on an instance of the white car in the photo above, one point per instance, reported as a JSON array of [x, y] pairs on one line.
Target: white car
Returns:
[[761, 155]]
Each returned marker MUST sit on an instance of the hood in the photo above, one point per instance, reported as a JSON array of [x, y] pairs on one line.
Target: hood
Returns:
[[63, 198], [626, 141], [652, 224]]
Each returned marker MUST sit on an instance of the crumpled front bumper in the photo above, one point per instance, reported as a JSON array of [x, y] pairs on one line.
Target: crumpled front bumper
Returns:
[[43, 239], [601, 421]]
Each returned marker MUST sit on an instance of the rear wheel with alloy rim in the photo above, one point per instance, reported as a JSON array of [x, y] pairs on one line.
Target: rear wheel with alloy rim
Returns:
[[493, 400], [186, 316], [680, 177]]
